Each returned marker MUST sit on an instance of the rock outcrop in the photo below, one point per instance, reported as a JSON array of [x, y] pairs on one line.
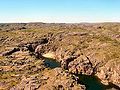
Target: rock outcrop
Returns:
[[88, 50], [55, 79]]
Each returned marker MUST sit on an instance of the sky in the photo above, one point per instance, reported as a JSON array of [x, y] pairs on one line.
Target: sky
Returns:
[[59, 11]]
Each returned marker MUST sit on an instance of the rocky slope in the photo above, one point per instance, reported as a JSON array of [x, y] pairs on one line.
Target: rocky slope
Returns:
[[39, 56]]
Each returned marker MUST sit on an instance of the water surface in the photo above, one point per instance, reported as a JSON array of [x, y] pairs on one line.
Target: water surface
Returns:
[[51, 63]]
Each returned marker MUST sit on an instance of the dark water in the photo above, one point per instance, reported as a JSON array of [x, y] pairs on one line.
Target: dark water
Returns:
[[94, 83], [51, 63], [91, 82]]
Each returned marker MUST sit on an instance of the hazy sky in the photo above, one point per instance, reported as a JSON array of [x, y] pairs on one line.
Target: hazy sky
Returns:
[[71, 11]]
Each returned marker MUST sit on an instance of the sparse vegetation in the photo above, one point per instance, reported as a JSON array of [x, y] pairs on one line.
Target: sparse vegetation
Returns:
[[79, 48]]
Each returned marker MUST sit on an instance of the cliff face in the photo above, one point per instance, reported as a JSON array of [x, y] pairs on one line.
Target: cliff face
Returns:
[[80, 51]]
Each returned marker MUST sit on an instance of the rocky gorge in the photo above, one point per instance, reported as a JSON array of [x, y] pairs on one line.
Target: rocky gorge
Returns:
[[60, 56]]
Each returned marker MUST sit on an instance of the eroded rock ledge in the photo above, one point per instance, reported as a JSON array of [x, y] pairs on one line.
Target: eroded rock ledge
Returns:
[[82, 60], [79, 53]]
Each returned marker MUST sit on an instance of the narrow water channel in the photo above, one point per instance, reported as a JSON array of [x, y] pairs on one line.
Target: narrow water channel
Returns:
[[51, 63], [90, 82], [94, 83]]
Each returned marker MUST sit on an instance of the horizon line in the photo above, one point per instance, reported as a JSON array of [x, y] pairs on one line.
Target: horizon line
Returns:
[[63, 22]]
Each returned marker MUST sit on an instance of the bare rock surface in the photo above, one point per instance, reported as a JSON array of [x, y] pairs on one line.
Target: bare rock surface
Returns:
[[82, 50]]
